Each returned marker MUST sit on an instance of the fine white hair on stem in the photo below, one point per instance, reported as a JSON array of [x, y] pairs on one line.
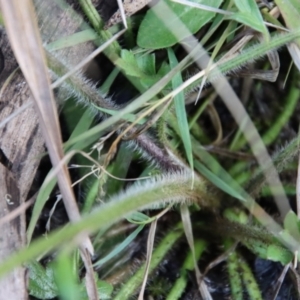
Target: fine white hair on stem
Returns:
[[170, 188]]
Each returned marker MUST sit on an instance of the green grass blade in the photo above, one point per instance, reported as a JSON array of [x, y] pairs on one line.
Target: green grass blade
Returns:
[[180, 110], [120, 247], [72, 40], [43, 196]]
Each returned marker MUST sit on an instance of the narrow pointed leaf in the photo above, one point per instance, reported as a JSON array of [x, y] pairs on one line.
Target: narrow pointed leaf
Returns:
[[154, 33]]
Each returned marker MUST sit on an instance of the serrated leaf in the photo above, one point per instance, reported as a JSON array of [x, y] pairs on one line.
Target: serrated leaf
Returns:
[[154, 33], [41, 281]]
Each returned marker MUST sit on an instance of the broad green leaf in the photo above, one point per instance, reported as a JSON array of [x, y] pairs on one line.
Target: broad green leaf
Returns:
[[41, 281], [128, 64], [154, 33], [142, 67], [147, 63], [66, 278], [180, 111], [291, 225], [249, 15], [244, 5]]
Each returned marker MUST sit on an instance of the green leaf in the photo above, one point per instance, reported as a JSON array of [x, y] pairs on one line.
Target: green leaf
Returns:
[[273, 252], [280, 254], [48, 185], [104, 290], [180, 111], [127, 117], [142, 67], [120, 247], [129, 64], [139, 218], [290, 224], [41, 281], [235, 215], [228, 187], [154, 33], [249, 15], [43, 196], [66, 278], [290, 11], [147, 64], [73, 40], [248, 20]]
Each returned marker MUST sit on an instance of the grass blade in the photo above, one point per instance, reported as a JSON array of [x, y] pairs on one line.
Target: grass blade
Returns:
[[180, 110]]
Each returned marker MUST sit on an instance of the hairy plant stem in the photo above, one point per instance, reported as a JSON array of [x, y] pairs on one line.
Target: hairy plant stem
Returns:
[[280, 160], [175, 188], [87, 94]]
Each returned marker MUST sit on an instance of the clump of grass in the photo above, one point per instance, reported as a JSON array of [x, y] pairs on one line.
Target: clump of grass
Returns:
[[177, 170]]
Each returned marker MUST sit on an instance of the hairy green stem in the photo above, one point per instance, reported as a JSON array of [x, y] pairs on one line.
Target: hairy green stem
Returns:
[[156, 192]]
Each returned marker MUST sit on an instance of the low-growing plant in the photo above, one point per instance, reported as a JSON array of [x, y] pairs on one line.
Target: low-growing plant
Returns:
[[171, 155]]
